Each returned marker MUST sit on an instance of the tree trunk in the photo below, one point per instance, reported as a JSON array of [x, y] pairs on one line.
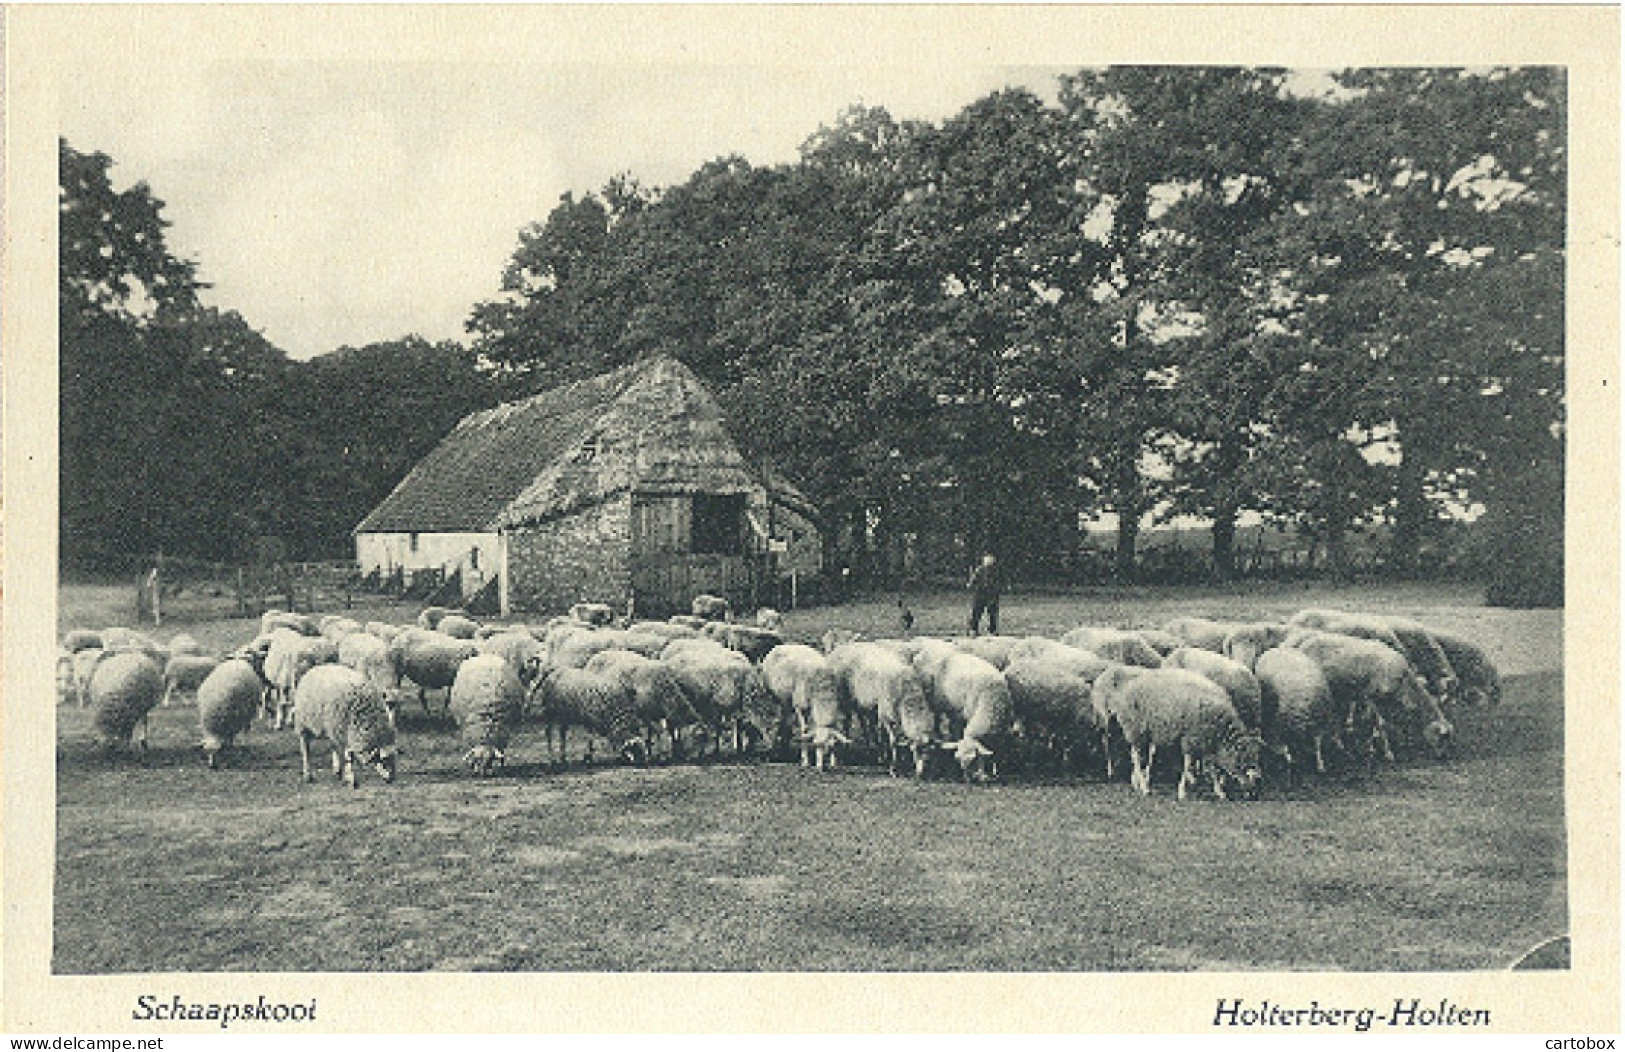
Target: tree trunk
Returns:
[[1412, 515], [1224, 544], [1125, 568]]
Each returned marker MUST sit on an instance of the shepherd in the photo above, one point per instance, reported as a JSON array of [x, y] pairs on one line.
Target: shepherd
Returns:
[[986, 582]]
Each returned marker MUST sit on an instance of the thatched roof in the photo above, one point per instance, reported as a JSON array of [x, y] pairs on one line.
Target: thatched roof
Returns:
[[650, 426]]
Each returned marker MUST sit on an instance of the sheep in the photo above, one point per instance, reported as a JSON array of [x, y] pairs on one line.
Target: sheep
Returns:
[[430, 660], [1054, 700], [457, 626], [82, 639], [976, 699], [1201, 632], [337, 703], [1479, 680], [879, 681], [1162, 642], [1370, 680], [1236, 679], [377, 662], [1084, 663], [486, 700], [431, 616], [770, 619], [1294, 686], [657, 695], [711, 608], [1125, 648], [1360, 626], [724, 687], [577, 649], [185, 672], [834, 637], [995, 650], [181, 643], [688, 621], [802, 680], [383, 630], [122, 690], [336, 628], [84, 663], [1168, 707], [288, 658], [521, 650], [1246, 642], [664, 629], [595, 614], [272, 620], [129, 641], [226, 702], [754, 643], [603, 704], [1429, 659]]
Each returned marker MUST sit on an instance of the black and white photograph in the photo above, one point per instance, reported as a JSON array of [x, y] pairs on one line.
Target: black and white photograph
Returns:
[[895, 496]]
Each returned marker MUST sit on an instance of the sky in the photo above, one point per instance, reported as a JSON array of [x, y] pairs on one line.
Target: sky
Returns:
[[338, 203]]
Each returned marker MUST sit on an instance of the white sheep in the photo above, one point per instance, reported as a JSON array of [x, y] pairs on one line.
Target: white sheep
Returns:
[[1247, 641], [664, 629], [575, 649], [802, 680], [995, 650], [336, 627], [182, 643], [1204, 633], [1114, 644], [338, 704], [83, 663], [431, 616], [1306, 716], [122, 690], [383, 630], [521, 650], [184, 673], [725, 689], [754, 643], [976, 699], [882, 682], [1371, 681], [118, 640], [1422, 649], [458, 627], [1084, 663], [288, 658], [376, 661], [226, 702], [486, 700], [272, 620], [1479, 679], [1237, 680], [1161, 641], [1172, 707]]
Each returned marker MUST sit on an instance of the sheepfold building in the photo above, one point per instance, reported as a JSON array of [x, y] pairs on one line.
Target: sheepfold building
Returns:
[[622, 488]]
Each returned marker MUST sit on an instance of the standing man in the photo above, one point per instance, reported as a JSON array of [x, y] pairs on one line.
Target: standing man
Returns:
[[986, 582]]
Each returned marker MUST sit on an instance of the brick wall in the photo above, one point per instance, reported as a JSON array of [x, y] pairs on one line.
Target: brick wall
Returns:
[[579, 558]]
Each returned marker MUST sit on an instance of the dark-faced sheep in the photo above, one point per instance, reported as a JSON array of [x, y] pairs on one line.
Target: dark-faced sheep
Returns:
[[1480, 681], [601, 704]]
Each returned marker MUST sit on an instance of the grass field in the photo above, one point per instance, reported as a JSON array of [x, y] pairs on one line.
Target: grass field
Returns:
[[163, 865]]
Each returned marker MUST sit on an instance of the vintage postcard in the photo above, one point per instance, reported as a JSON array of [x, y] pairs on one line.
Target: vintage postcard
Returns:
[[786, 519]]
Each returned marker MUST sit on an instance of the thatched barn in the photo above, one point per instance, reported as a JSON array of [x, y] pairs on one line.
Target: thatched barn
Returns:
[[622, 488]]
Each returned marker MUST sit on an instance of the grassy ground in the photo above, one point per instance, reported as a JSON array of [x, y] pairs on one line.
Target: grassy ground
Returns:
[[164, 865]]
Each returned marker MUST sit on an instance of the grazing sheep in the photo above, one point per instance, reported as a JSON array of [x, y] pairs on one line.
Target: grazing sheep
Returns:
[[1480, 681], [83, 663], [725, 689], [1203, 633], [226, 702], [976, 699], [521, 650], [129, 641], [335, 627], [486, 700], [338, 704], [185, 673], [430, 660], [288, 658], [1055, 702], [802, 680], [182, 643], [995, 650], [1041, 648], [272, 620], [575, 650], [835, 637], [656, 693], [431, 616], [1370, 680], [770, 619], [754, 643], [458, 627], [882, 686], [1246, 642], [595, 614], [711, 608], [1237, 681], [1427, 657], [1162, 642], [122, 690], [377, 662], [383, 630], [1169, 707], [1305, 714], [1113, 644], [1360, 626], [602, 704], [82, 639]]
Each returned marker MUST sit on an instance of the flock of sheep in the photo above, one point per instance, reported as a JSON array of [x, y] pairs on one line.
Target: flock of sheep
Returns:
[[1230, 700]]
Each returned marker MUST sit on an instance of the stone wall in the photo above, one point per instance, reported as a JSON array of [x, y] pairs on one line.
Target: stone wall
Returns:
[[578, 558]]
